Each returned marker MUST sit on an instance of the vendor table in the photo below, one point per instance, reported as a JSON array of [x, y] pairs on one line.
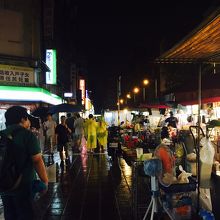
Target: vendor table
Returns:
[[141, 192]]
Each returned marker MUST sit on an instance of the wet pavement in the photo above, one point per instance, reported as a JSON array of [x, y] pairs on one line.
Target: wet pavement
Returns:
[[95, 187], [92, 187]]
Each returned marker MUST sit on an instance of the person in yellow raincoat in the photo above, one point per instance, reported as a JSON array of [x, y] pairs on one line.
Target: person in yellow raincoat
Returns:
[[102, 134], [90, 133]]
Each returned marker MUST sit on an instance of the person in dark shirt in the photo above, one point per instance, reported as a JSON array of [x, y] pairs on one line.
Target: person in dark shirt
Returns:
[[18, 202], [172, 121], [70, 123], [62, 136]]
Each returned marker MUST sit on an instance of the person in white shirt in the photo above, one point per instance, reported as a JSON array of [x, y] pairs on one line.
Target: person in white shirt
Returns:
[[79, 130], [49, 127]]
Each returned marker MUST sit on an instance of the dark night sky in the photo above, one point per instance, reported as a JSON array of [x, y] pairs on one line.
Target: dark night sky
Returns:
[[118, 37]]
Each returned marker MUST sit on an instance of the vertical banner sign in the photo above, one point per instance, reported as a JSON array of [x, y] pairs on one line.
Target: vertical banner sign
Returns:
[[51, 77], [82, 87], [87, 101]]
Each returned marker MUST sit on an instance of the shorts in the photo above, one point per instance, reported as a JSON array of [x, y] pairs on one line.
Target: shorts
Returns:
[[60, 147]]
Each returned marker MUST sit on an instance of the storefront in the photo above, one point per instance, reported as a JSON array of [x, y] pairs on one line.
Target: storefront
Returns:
[[19, 87]]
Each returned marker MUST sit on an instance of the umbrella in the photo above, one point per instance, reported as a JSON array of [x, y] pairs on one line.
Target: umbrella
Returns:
[[41, 112], [64, 107]]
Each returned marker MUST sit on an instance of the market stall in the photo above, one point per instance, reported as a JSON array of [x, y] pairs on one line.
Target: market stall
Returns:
[[200, 48]]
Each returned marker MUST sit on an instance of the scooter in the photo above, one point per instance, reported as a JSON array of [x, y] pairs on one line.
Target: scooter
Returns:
[[114, 145]]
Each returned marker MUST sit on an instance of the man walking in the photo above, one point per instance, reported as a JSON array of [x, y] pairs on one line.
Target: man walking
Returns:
[[18, 203], [62, 138]]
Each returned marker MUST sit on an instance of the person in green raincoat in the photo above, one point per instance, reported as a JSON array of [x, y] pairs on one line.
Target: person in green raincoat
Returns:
[[102, 134], [90, 133]]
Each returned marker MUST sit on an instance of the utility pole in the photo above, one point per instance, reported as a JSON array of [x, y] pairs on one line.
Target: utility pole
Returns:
[[118, 97]]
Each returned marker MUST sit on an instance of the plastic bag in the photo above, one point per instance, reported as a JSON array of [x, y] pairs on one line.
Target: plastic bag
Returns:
[[207, 151]]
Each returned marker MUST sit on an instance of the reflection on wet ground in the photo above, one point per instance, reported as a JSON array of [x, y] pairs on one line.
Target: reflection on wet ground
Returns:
[[95, 187], [92, 187]]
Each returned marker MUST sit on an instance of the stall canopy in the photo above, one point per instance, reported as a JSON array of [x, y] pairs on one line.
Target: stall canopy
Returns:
[[201, 45], [157, 103], [157, 106]]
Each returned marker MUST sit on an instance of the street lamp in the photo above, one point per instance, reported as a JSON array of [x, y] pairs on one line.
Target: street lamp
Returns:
[[145, 83], [128, 96], [135, 90]]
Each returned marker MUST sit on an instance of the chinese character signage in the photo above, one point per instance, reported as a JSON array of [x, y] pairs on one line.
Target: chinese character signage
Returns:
[[51, 77], [16, 75], [83, 89]]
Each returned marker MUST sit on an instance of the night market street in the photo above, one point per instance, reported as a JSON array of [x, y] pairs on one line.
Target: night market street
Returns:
[[91, 188], [95, 187]]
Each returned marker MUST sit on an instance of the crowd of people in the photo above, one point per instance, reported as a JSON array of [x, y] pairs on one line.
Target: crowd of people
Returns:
[[72, 130], [29, 161]]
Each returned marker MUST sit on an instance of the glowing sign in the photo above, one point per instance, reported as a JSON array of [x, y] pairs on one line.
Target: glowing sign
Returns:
[[15, 93], [51, 77], [82, 87], [68, 94]]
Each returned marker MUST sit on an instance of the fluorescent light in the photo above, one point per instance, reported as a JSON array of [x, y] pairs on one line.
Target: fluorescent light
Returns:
[[15, 93], [68, 94]]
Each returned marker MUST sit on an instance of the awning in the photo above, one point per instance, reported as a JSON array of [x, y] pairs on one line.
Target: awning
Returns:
[[201, 45], [203, 101], [157, 106], [35, 94], [65, 107]]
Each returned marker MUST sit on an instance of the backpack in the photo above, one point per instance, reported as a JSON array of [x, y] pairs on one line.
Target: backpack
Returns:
[[10, 176]]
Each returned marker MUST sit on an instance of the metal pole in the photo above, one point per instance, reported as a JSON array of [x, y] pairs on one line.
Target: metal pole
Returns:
[[119, 93], [198, 133], [144, 95], [155, 88]]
